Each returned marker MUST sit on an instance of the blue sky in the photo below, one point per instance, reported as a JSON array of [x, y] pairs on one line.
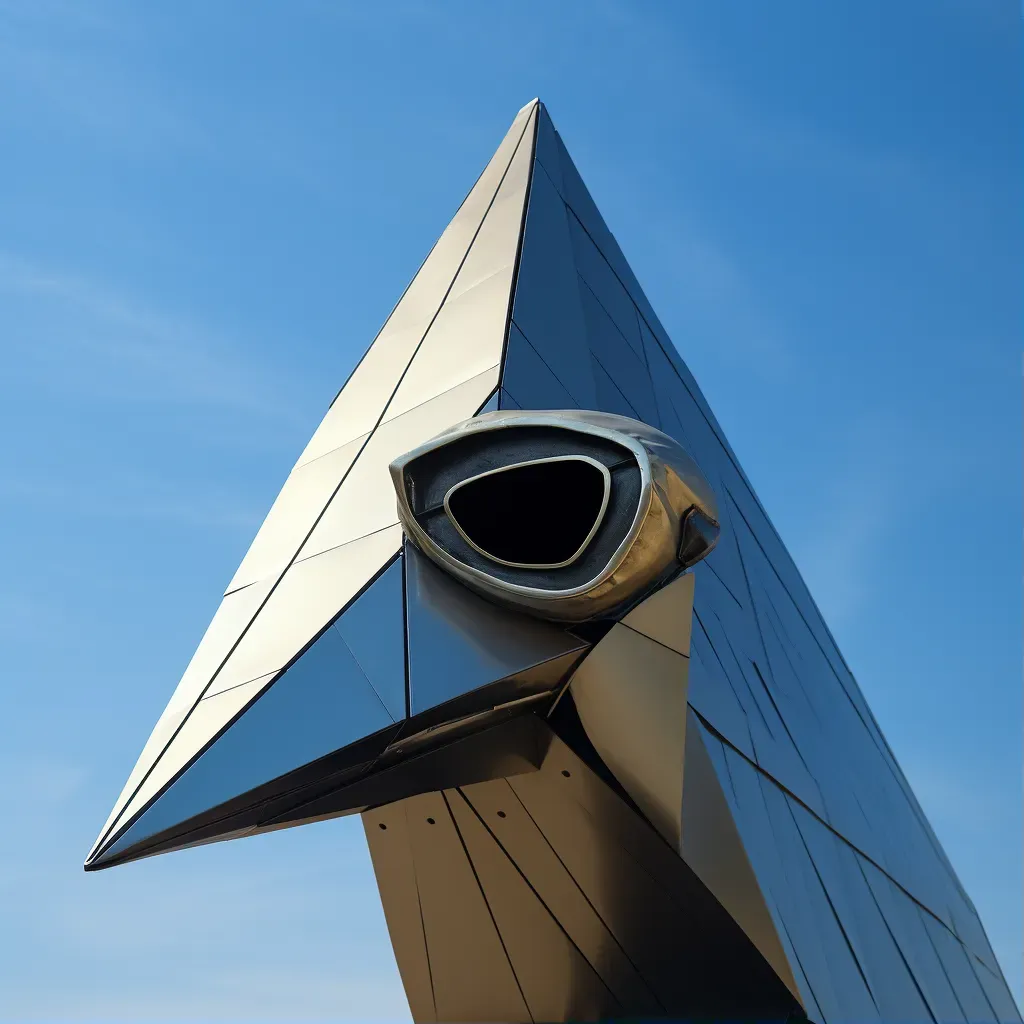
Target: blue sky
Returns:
[[206, 211]]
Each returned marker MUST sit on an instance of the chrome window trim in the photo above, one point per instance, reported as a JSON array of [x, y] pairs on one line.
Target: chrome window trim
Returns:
[[495, 421]]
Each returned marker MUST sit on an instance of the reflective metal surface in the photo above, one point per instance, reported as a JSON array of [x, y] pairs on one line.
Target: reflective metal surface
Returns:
[[646, 812], [636, 544], [373, 627], [459, 642], [630, 694]]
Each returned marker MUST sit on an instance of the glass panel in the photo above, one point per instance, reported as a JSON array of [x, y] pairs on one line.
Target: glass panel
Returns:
[[374, 629]]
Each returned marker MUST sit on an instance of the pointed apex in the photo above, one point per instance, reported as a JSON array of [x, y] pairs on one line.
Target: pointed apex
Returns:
[[333, 527]]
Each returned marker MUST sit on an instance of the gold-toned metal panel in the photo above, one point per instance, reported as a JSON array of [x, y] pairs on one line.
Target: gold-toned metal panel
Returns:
[[667, 615], [533, 856], [695, 959], [387, 835], [556, 980], [309, 595], [630, 693], [366, 500], [637, 911], [362, 401], [303, 497], [468, 334], [472, 977]]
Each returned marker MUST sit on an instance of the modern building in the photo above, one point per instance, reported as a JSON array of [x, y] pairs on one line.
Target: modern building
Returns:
[[518, 605]]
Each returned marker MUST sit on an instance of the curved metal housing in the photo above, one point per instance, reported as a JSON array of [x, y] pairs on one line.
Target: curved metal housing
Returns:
[[658, 513]]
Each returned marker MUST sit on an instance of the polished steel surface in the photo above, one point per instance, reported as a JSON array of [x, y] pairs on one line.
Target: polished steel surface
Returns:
[[671, 485], [675, 802], [570, 894], [630, 694]]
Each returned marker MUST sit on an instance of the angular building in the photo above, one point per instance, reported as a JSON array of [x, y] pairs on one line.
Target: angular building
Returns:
[[518, 605]]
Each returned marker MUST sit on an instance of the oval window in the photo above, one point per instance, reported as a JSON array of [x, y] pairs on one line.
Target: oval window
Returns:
[[536, 515]]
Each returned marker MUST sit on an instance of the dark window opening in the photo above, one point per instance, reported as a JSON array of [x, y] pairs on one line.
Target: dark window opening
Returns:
[[537, 514]]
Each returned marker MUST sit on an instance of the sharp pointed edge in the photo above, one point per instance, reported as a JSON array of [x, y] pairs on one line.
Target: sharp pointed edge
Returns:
[[489, 250]]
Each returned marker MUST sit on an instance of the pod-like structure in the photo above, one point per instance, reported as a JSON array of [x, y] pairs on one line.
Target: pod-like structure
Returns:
[[569, 515]]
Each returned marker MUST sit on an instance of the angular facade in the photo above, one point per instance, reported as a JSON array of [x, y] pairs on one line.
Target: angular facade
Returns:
[[602, 774]]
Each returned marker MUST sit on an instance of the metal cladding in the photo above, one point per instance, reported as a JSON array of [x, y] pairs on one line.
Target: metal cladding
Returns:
[[569, 515], [609, 759]]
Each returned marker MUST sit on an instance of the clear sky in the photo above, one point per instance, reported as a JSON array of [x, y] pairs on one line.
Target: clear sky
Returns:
[[206, 212]]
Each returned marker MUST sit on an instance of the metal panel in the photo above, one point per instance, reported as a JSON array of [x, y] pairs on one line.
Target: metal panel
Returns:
[[601, 279], [711, 696], [997, 992], [196, 730], [579, 200], [764, 671], [691, 954], [909, 933], [741, 789], [547, 305], [366, 501], [547, 148], [556, 980], [839, 960], [667, 615], [521, 839], [234, 614], [309, 596], [321, 704], [609, 396], [711, 845], [374, 628], [459, 642], [303, 498], [491, 405], [387, 835], [468, 334], [471, 974], [957, 965], [630, 693], [527, 375], [620, 362], [362, 401], [506, 401], [886, 973]]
